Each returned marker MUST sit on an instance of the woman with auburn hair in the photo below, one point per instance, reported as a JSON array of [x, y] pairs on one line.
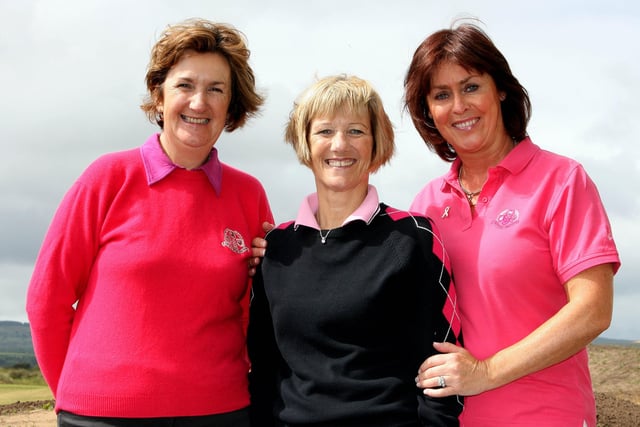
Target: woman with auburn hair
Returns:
[[138, 302]]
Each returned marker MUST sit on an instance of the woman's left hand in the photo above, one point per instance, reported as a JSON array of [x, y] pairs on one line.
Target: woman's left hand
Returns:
[[461, 373]]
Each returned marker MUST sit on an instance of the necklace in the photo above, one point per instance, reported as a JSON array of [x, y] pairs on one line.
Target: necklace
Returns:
[[467, 193], [323, 239]]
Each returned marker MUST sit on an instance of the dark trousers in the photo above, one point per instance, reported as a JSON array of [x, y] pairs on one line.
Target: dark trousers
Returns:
[[230, 419]]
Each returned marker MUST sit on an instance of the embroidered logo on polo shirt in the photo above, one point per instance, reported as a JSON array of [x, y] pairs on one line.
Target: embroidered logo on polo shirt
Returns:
[[507, 218], [234, 241]]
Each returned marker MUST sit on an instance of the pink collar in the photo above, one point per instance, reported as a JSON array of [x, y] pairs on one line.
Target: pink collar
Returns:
[[158, 165], [365, 212]]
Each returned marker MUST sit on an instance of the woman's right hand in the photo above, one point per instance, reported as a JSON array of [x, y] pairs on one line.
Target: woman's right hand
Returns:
[[258, 247], [462, 373]]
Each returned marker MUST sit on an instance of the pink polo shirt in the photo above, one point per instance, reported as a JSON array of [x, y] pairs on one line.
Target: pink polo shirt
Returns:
[[539, 221]]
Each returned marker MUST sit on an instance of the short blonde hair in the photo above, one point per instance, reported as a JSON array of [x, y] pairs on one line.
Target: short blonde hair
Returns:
[[328, 96]]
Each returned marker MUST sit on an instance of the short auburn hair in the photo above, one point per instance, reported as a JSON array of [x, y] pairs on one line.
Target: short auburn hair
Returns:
[[202, 36]]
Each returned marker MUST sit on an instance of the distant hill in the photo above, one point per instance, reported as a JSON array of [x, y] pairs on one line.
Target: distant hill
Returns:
[[15, 344], [611, 341]]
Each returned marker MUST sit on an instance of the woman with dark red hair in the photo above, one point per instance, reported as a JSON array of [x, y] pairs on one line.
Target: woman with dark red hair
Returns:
[[529, 239]]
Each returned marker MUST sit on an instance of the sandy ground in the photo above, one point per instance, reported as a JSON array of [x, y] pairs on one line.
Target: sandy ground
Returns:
[[33, 418], [612, 412]]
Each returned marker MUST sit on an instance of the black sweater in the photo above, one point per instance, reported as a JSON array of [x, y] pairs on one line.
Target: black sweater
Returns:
[[338, 330]]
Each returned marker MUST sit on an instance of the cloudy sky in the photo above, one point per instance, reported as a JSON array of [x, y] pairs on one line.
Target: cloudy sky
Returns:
[[73, 78]]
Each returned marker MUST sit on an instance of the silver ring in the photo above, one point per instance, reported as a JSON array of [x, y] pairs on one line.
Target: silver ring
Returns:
[[441, 382]]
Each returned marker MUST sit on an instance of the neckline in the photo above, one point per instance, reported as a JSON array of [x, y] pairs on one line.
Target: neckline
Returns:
[[469, 194]]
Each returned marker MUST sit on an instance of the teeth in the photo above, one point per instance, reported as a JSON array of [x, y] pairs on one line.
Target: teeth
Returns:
[[195, 121], [465, 125], [340, 163]]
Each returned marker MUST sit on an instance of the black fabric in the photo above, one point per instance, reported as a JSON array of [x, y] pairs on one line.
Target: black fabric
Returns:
[[338, 330], [230, 419]]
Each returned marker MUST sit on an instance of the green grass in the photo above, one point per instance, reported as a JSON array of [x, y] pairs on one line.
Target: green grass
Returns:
[[21, 375], [10, 393], [22, 384]]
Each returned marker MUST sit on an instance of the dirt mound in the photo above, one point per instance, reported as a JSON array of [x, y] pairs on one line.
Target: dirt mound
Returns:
[[616, 412], [18, 407]]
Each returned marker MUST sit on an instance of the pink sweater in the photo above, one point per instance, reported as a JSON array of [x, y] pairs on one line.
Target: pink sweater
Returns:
[[160, 275]]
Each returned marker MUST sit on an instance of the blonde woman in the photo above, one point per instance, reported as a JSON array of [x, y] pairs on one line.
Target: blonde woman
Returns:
[[351, 295]]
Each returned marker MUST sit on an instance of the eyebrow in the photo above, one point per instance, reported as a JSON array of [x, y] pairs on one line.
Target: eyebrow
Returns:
[[192, 80], [461, 82], [331, 123]]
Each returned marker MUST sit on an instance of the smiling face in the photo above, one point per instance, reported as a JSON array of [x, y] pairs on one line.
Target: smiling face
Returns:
[[196, 96], [341, 148], [465, 107]]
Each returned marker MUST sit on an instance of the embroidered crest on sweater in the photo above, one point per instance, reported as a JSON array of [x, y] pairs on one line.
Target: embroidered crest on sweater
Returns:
[[234, 241]]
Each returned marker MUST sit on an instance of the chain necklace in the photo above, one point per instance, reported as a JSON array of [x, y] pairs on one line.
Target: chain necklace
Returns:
[[467, 193], [323, 239]]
